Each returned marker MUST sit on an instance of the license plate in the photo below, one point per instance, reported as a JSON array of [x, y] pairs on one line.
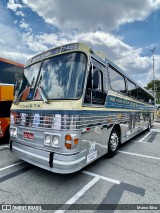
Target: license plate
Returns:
[[28, 135]]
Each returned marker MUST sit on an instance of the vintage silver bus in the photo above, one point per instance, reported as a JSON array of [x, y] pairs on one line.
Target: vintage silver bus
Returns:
[[73, 106]]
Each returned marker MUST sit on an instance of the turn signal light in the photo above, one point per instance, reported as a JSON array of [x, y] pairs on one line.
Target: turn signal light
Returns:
[[68, 138], [68, 141], [71, 141], [76, 141]]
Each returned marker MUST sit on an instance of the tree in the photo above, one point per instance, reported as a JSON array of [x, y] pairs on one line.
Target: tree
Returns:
[[150, 85]]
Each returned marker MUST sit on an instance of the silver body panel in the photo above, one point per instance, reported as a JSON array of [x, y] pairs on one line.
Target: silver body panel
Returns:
[[93, 136]]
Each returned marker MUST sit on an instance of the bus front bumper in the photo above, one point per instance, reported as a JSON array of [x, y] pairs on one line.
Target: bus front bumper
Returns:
[[53, 162]]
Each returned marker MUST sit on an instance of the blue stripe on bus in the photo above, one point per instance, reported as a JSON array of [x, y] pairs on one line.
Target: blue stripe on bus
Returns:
[[121, 103], [73, 112], [113, 103]]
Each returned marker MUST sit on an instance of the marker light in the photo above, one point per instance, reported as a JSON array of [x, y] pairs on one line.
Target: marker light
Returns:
[[76, 141]]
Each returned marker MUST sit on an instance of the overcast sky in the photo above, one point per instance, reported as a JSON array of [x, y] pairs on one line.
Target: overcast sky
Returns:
[[125, 30]]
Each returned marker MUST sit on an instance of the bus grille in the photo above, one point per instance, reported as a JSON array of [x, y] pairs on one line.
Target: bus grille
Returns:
[[65, 122]]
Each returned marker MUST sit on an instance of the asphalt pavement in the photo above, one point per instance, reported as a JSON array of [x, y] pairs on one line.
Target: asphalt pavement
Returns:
[[129, 182]]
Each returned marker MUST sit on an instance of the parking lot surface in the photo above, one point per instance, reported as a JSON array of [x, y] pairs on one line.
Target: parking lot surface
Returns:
[[129, 182]]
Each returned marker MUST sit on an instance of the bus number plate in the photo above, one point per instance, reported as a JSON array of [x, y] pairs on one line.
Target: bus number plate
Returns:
[[28, 135]]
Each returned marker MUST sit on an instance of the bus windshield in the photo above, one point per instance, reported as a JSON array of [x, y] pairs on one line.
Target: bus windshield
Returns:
[[60, 77]]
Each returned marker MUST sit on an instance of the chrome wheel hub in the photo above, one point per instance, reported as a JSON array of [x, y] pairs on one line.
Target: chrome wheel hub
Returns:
[[114, 140]]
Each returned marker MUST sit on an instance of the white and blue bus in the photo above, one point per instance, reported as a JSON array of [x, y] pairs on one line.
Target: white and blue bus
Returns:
[[73, 106]]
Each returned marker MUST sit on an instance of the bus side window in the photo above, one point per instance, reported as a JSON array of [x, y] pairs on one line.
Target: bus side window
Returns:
[[94, 90], [131, 89], [117, 81], [97, 78]]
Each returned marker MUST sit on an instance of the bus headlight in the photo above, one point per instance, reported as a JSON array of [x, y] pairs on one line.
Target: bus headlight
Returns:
[[47, 140], [55, 141], [52, 139], [13, 132]]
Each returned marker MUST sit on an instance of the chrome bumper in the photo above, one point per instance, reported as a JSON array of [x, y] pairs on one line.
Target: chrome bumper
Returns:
[[47, 160]]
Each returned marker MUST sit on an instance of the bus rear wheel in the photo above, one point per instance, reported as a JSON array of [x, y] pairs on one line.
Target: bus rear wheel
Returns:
[[113, 144]]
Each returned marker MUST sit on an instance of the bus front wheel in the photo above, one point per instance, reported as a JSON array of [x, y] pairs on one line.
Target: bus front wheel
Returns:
[[114, 142]]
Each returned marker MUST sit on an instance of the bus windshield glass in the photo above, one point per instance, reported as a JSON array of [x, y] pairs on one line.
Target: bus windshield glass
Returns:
[[29, 79], [31, 74], [62, 77]]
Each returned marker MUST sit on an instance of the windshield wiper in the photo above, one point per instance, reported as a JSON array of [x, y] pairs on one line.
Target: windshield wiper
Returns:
[[43, 94], [17, 98], [16, 101]]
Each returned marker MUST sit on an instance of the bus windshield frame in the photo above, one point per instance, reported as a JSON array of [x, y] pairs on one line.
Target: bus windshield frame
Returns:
[[60, 77]]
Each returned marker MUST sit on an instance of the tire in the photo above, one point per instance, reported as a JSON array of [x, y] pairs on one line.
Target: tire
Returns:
[[149, 125], [113, 144]]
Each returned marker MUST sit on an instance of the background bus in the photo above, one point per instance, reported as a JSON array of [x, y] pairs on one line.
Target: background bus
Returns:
[[75, 105], [10, 73]]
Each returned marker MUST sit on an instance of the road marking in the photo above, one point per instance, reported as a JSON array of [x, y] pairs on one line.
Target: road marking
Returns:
[[153, 136], [140, 142], [145, 136], [5, 146], [102, 177], [15, 174], [79, 194], [86, 187], [3, 149], [12, 165], [155, 130], [139, 155]]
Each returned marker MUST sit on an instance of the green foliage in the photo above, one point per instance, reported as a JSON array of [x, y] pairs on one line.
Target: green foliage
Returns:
[[150, 85]]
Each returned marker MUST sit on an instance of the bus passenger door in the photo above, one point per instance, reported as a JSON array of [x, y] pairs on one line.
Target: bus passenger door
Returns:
[[94, 136], [95, 94]]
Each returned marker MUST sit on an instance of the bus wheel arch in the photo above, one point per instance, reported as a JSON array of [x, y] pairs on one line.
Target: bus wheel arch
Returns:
[[114, 141]]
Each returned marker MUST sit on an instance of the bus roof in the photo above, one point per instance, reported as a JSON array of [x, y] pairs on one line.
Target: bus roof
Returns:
[[7, 62], [4, 84], [10, 71], [98, 55], [11, 66]]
